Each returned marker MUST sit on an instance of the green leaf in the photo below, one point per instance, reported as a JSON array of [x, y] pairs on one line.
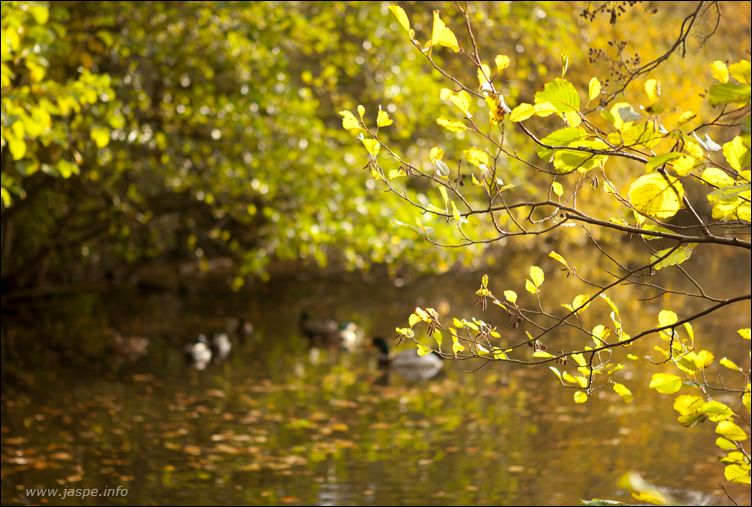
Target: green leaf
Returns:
[[560, 138], [679, 255], [735, 153], [441, 35], [656, 195], [451, 125], [665, 383], [561, 94], [728, 93], [594, 88], [522, 112], [731, 431], [658, 160], [719, 71]]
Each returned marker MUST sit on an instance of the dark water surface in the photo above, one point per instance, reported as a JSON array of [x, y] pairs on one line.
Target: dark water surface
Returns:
[[271, 426]]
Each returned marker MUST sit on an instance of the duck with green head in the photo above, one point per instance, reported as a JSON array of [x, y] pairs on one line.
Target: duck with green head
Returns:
[[408, 363]]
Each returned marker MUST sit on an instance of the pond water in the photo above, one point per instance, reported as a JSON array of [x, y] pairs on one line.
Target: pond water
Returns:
[[274, 424]]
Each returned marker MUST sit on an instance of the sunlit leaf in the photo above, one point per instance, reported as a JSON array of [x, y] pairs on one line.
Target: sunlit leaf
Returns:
[[623, 391], [653, 89], [580, 397], [451, 125], [383, 119], [740, 71], [557, 188], [441, 35], [349, 121], [561, 94], [677, 256], [735, 153], [737, 473], [594, 88], [522, 112], [502, 62], [665, 383], [656, 195], [719, 71], [536, 275], [731, 431]]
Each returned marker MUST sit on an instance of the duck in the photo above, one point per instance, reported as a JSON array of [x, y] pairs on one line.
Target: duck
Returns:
[[408, 363], [129, 347], [239, 326], [199, 353], [328, 332], [221, 346]]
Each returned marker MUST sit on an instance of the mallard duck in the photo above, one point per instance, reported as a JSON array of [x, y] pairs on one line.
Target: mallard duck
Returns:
[[130, 347], [328, 332], [408, 363], [221, 346], [199, 353]]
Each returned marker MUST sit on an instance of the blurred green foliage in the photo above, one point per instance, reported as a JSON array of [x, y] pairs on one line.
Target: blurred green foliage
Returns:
[[134, 131]]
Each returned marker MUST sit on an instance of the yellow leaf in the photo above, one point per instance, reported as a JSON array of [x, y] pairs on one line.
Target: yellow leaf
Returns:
[[719, 71], [744, 333], [716, 177], [361, 111], [456, 345], [731, 431], [436, 153], [502, 62], [737, 473], [656, 195], [372, 146], [456, 212], [703, 359], [451, 125], [542, 353], [530, 287], [461, 99], [594, 88], [579, 359], [101, 136], [665, 383], [555, 256], [557, 188], [653, 89], [683, 165], [580, 397], [734, 151], [728, 363], [349, 121], [399, 13], [423, 350], [624, 392], [484, 76], [511, 296], [442, 35], [477, 157], [740, 71], [522, 112], [383, 119], [536, 275]]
